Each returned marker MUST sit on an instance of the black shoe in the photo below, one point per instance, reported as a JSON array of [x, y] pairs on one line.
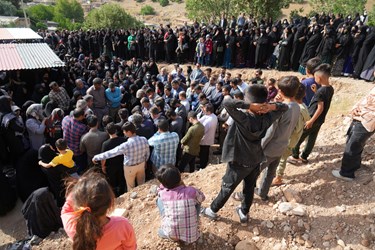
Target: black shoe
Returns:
[[218, 152], [244, 218]]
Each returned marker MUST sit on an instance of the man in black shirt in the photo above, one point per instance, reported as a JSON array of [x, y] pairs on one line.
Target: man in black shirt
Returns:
[[113, 167]]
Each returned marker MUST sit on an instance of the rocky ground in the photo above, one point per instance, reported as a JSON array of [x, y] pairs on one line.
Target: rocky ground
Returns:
[[312, 210]]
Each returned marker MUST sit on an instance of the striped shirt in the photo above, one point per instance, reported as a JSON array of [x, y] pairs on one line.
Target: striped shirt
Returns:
[[73, 130], [165, 148], [135, 151]]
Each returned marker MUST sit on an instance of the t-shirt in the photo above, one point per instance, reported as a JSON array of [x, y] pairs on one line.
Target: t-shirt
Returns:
[[118, 233], [64, 159], [323, 94], [308, 82], [109, 144]]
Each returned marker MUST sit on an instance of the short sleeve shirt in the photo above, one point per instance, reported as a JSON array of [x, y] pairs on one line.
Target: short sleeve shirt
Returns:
[[64, 159]]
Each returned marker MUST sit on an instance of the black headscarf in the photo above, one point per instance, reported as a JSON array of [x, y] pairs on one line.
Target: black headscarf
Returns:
[[46, 154]]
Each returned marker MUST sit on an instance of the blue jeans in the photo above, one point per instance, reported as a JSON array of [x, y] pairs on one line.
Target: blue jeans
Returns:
[[207, 60], [356, 141]]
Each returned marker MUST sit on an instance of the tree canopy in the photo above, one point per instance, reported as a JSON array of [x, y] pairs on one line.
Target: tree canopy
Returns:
[[110, 16], [345, 7], [213, 9], [7, 8], [41, 12]]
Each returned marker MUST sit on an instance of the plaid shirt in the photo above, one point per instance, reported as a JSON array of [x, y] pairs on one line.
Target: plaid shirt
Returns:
[[135, 151], [73, 130], [61, 98], [180, 218], [165, 148]]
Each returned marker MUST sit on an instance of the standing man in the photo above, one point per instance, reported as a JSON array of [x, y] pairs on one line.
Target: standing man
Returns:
[[100, 102], [136, 152], [190, 143], [92, 141], [73, 129], [59, 96], [165, 146], [114, 97], [209, 121], [360, 130]]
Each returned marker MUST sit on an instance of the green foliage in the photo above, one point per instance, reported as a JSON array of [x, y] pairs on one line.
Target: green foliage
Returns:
[[110, 15], [68, 9], [176, 1], [41, 25], [147, 10], [345, 7], [299, 1], [69, 14], [371, 17], [154, 1], [211, 10], [164, 3], [7, 8], [139, 1], [41, 12]]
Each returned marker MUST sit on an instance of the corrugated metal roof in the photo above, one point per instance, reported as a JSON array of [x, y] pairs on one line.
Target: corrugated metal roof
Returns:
[[18, 34], [27, 56]]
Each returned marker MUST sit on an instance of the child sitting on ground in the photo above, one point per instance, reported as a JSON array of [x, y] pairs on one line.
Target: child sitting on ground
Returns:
[[85, 220], [179, 206], [64, 158], [318, 110]]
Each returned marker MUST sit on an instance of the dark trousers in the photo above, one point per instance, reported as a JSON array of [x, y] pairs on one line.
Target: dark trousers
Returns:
[[356, 141], [233, 176], [115, 176], [311, 135], [204, 153], [81, 162], [185, 160]]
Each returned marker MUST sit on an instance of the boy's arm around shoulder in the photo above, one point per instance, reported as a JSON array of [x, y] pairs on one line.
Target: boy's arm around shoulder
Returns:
[[276, 110]]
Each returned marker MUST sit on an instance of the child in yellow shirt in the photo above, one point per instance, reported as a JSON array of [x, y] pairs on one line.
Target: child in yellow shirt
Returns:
[[65, 157]]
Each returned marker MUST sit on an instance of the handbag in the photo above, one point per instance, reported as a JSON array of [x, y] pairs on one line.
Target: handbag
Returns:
[[220, 49]]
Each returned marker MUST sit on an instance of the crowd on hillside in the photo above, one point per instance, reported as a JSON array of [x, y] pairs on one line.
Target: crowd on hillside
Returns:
[[133, 121], [343, 42]]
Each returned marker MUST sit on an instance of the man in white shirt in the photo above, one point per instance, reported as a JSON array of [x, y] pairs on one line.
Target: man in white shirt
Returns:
[[209, 121]]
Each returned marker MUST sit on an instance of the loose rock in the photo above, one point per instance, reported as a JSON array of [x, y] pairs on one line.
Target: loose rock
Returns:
[[245, 245]]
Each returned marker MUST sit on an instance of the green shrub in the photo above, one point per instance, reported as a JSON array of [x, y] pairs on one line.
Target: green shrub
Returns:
[[147, 10], [163, 2], [154, 1], [139, 1]]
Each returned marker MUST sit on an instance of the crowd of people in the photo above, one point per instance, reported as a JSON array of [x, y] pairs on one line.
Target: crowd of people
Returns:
[[132, 121], [343, 42]]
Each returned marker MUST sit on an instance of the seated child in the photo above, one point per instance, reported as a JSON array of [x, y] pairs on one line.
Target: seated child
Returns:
[[179, 206], [85, 220], [65, 157]]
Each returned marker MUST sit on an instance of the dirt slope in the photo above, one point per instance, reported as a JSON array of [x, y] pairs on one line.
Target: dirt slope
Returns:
[[338, 215]]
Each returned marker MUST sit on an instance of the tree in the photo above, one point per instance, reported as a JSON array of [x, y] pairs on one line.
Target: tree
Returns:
[[70, 10], [41, 12], [7, 8], [147, 10], [345, 7], [110, 16], [211, 10]]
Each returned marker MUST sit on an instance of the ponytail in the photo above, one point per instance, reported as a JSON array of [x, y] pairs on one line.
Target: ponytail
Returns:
[[92, 198], [88, 231]]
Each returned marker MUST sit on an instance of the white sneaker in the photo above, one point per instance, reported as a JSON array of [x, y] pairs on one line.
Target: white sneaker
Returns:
[[209, 213], [336, 173]]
